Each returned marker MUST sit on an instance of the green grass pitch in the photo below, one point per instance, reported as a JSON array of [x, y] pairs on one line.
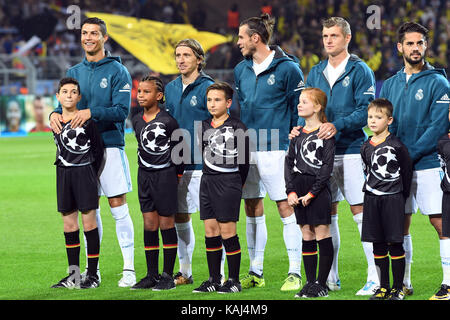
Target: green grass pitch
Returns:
[[32, 251]]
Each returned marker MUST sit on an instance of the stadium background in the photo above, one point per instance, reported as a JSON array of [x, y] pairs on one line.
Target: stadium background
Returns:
[[297, 31], [32, 255]]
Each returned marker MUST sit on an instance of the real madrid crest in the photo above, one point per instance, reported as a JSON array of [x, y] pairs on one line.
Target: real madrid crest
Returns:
[[346, 81], [271, 80], [104, 83], [419, 95], [193, 101]]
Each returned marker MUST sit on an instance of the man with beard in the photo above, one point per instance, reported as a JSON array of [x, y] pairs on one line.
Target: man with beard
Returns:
[[268, 84], [420, 95]]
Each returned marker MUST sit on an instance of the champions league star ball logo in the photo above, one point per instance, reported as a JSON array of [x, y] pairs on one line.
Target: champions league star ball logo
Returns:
[[310, 147], [75, 140], [222, 143], [385, 165], [154, 139]]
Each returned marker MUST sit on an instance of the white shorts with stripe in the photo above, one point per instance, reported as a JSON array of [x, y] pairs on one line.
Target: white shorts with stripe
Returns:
[[115, 175], [266, 176], [426, 193], [347, 179], [189, 191]]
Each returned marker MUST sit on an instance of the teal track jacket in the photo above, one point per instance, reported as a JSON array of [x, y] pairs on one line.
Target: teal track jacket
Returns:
[[420, 112], [347, 101]]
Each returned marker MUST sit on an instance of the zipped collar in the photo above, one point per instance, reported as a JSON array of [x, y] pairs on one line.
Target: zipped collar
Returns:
[[350, 64], [107, 59], [202, 77], [426, 70], [279, 57]]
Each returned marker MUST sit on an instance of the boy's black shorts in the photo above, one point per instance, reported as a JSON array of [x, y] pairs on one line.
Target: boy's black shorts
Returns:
[[157, 190], [446, 214], [318, 211], [383, 218], [76, 189], [220, 197]]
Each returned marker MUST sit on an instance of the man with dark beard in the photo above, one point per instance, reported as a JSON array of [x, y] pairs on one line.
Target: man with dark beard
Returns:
[[420, 95], [268, 84]]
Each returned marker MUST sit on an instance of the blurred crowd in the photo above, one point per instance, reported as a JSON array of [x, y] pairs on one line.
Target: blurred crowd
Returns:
[[297, 29]]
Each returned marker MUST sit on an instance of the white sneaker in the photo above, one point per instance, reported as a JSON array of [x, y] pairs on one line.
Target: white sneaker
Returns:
[[128, 279], [83, 276], [334, 286], [369, 289]]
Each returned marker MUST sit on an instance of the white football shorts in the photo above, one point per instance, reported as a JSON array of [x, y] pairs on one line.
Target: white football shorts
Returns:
[[115, 176], [189, 191], [347, 179], [266, 176], [426, 193]]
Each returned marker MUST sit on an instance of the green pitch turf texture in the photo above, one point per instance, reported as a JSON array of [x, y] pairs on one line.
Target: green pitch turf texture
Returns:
[[33, 257]]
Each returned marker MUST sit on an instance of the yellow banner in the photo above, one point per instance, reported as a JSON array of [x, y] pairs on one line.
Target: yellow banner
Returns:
[[153, 42]]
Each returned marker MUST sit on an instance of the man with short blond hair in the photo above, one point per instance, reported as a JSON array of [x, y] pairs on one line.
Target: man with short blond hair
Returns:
[[350, 86]]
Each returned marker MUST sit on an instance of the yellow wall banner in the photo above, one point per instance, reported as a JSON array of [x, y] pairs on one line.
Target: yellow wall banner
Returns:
[[153, 42]]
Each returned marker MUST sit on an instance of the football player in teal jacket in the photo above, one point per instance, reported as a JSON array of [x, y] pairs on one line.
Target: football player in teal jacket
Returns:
[[186, 102], [105, 97], [268, 84], [350, 86], [420, 95]]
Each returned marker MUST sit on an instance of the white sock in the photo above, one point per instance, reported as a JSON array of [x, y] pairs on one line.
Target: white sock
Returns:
[[186, 245], [257, 234], [408, 247], [333, 276], [98, 217], [251, 237], [293, 240], [125, 234], [372, 274], [444, 246], [222, 263]]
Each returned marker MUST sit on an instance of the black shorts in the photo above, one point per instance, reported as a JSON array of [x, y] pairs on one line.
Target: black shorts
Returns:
[[383, 218], [318, 211], [157, 191], [446, 214], [76, 189], [220, 197]]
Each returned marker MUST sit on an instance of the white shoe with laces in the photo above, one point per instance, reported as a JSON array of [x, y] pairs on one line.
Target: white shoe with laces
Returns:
[[128, 279], [369, 288]]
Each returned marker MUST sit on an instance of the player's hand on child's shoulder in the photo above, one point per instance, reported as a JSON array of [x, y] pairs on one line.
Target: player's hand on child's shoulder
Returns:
[[81, 117], [55, 122], [327, 131], [294, 132]]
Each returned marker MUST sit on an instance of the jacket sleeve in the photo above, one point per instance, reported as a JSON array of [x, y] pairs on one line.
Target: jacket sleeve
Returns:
[[289, 167], [364, 160], [438, 124], [243, 152], [364, 93], [179, 166], [294, 86], [97, 147], [406, 169], [121, 99], [326, 169], [308, 84]]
